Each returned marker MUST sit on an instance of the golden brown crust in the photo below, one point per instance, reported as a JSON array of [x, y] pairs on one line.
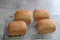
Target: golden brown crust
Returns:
[[46, 26], [16, 28], [23, 15], [41, 14]]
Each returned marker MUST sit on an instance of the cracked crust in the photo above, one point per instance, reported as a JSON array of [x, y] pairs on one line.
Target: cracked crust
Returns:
[[23, 15], [16, 28], [46, 26], [41, 14]]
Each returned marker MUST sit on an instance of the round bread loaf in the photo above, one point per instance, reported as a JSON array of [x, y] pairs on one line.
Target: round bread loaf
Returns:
[[46, 26], [23, 15], [16, 28], [41, 14]]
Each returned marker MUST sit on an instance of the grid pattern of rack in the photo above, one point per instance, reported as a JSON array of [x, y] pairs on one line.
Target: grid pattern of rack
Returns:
[[32, 31]]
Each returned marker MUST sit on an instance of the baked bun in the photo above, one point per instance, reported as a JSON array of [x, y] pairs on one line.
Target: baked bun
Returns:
[[46, 26], [23, 15], [41, 14], [16, 28]]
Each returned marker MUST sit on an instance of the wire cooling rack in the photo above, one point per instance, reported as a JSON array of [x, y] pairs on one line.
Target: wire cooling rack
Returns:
[[32, 31]]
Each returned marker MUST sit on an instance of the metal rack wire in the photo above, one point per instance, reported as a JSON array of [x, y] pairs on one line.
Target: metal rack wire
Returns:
[[32, 31]]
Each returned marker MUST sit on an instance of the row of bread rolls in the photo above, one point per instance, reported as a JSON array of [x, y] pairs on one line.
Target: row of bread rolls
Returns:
[[24, 17], [44, 23], [18, 27]]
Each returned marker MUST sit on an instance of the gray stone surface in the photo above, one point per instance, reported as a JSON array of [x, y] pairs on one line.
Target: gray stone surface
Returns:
[[4, 13], [8, 8], [8, 4], [35, 4]]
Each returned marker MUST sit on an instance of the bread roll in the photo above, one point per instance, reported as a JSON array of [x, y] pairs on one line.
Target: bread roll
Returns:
[[16, 28], [23, 15], [46, 26], [41, 14]]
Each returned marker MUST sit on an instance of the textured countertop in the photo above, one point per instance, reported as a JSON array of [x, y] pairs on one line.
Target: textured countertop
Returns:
[[8, 8]]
